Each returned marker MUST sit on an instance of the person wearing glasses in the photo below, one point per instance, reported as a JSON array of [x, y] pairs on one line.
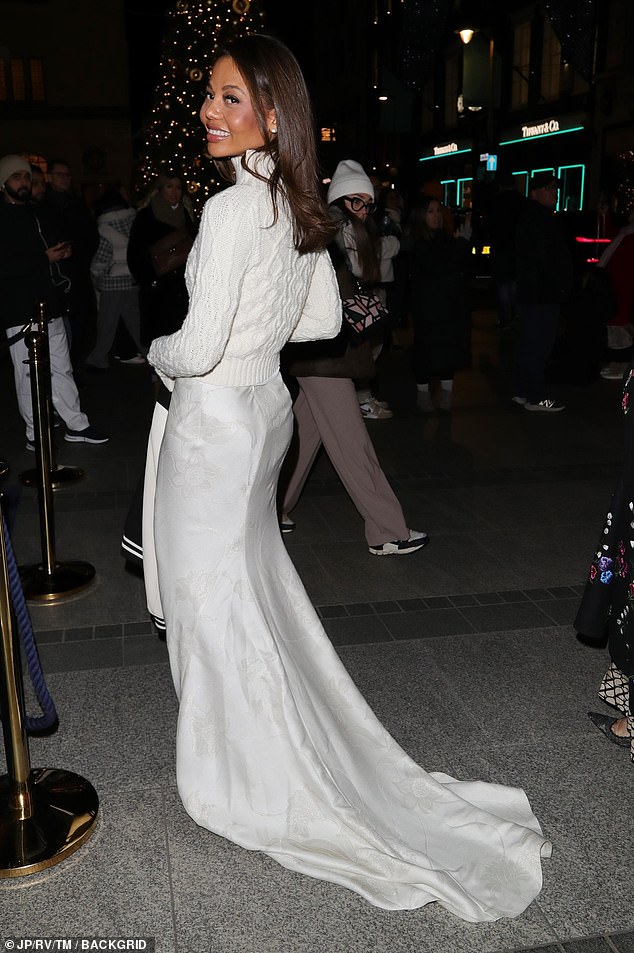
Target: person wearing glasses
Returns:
[[326, 406], [368, 254]]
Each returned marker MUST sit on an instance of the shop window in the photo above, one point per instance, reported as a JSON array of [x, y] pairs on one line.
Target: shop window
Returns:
[[21, 80], [551, 63], [450, 193], [465, 193], [520, 180], [18, 84], [521, 64], [37, 80], [571, 186]]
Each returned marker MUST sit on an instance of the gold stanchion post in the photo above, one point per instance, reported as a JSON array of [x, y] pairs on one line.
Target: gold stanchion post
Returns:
[[46, 814], [60, 475], [50, 580]]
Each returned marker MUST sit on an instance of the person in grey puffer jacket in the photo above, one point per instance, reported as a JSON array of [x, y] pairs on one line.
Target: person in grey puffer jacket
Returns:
[[117, 291]]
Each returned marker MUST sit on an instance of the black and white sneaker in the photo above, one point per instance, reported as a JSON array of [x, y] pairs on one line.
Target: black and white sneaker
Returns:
[[89, 435], [545, 406], [287, 525], [401, 547]]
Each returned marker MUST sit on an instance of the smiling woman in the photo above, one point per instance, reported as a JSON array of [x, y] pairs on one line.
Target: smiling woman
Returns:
[[227, 114], [276, 749]]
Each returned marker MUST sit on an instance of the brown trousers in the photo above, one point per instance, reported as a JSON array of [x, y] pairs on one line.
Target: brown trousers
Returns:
[[327, 412]]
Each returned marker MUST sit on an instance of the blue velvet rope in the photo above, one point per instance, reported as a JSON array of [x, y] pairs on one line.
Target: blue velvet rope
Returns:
[[25, 628]]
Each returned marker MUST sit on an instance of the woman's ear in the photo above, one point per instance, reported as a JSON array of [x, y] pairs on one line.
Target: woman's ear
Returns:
[[271, 122]]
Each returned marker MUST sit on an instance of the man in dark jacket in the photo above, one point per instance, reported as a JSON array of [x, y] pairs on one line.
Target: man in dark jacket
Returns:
[[66, 217], [544, 280], [29, 273]]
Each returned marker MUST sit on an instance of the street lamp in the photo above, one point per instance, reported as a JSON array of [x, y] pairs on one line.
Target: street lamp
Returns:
[[466, 35]]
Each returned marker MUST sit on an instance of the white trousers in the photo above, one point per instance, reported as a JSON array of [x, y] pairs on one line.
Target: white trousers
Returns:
[[63, 387]]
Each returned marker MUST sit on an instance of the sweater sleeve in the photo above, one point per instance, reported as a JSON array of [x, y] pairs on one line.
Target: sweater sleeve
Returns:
[[221, 256], [321, 315]]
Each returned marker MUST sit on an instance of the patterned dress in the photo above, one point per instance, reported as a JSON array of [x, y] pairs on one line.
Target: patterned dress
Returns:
[[607, 606]]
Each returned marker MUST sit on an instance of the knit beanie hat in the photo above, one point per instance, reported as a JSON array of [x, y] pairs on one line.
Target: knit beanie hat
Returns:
[[11, 164], [348, 179]]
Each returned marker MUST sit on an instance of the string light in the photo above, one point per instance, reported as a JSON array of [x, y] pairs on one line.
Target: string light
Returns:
[[174, 137]]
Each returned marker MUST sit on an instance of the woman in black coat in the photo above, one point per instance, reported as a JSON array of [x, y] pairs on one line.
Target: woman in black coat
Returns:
[[439, 300], [163, 223]]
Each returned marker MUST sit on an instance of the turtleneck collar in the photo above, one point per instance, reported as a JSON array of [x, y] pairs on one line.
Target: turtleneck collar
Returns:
[[260, 162]]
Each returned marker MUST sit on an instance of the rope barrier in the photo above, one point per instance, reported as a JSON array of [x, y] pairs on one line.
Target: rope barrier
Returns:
[[48, 721]]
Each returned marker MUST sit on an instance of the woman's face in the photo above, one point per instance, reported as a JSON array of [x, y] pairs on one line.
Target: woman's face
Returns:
[[227, 113], [433, 215], [360, 204], [172, 191]]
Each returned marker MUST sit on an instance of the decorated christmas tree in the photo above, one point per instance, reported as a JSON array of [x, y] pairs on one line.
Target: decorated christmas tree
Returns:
[[174, 136]]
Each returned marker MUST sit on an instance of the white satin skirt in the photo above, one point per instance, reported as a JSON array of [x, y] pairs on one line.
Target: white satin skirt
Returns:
[[276, 748]]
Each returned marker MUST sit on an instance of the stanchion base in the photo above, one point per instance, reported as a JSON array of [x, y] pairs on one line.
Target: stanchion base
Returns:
[[65, 580], [64, 813], [60, 476]]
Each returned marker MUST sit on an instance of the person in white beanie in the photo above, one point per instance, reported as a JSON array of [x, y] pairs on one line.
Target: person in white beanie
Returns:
[[327, 410], [29, 273], [367, 254]]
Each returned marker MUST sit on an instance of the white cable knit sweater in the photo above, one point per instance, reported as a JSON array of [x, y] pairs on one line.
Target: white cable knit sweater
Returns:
[[249, 291]]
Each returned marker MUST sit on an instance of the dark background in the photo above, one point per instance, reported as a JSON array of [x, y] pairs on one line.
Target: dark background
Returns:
[[145, 27]]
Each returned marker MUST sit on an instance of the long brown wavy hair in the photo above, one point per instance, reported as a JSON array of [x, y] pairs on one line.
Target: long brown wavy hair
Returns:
[[274, 80]]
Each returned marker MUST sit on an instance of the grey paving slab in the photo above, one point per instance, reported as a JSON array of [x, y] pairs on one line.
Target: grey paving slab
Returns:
[[623, 942], [587, 888], [116, 727], [351, 631], [428, 623], [115, 885], [500, 618]]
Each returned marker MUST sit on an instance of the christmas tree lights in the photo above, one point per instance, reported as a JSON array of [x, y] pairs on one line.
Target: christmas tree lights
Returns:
[[174, 137]]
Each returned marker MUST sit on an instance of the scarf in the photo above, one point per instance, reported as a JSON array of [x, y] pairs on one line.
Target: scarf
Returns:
[[163, 211]]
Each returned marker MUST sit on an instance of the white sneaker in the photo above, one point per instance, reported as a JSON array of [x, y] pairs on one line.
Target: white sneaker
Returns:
[[401, 547], [548, 406], [370, 410]]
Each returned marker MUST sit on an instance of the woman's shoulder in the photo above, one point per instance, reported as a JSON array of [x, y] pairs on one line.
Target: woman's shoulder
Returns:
[[236, 203]]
